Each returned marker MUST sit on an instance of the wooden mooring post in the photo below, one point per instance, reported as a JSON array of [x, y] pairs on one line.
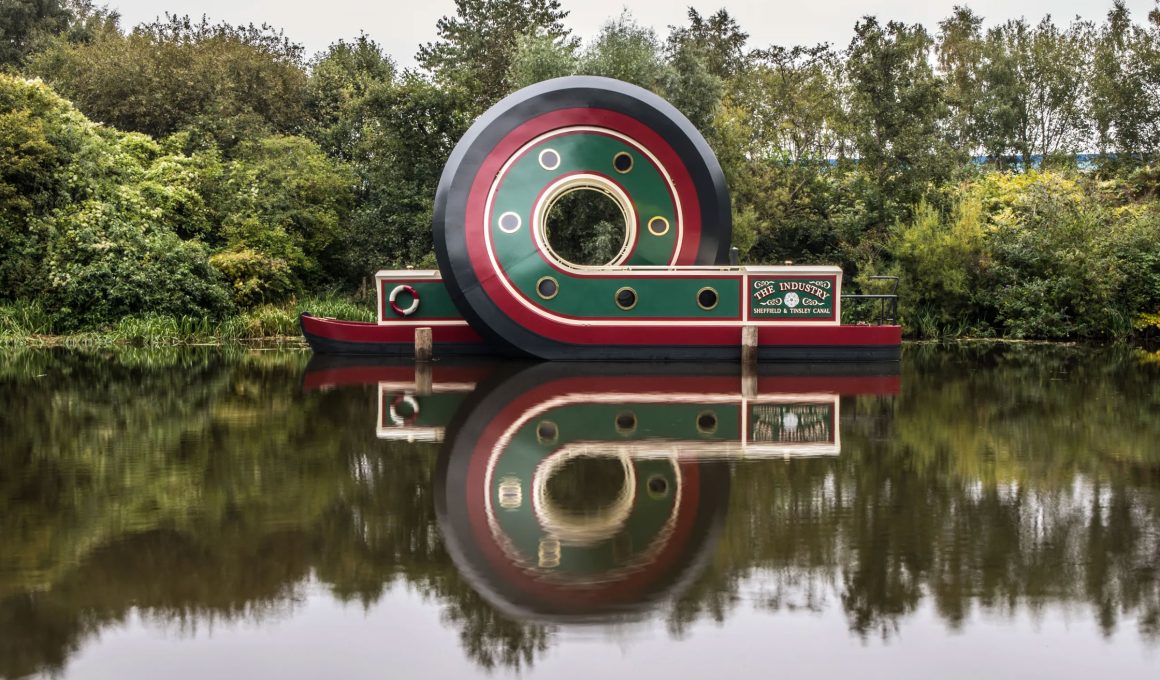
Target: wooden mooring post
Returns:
[[423, 381], [748, 345], [423, 349], [749, 361]]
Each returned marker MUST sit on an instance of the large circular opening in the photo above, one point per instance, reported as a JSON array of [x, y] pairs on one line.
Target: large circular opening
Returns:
[[583, 498], [586, 226], [586, 485]]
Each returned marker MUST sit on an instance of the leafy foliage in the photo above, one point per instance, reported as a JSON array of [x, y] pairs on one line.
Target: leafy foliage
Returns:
[[1034, 255], [286, 200], [889, 155], [476, 46], [90, 217], [23, 22], [226, 83]]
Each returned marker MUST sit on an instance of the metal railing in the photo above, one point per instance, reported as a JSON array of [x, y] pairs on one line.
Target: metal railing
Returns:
[[887, 302]]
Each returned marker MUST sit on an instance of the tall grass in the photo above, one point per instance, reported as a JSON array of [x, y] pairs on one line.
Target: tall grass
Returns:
[[22, 319], [24, 323]]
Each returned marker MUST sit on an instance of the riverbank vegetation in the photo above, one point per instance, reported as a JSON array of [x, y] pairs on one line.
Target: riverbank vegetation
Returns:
[[202, 178], [30, 324]]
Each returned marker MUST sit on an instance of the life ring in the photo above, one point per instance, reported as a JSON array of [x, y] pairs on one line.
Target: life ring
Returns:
[[410, 309], [410, 402]]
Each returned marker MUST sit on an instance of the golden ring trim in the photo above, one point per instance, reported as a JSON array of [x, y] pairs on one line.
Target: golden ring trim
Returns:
[[661, 232], [635, 297], [547, 278], [707, 430], [631, 162], [716, 295]]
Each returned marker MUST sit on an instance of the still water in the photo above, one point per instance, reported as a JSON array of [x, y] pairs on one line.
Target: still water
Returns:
[[980, 511]]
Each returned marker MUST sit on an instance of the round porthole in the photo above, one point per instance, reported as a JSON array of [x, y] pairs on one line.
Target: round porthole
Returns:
[[622, 162], [626, 422], [549, 159], [625, 298], [707, 298], [658, 486], [547, 432], [707, 422], [658, 226], [510, 222], [547, 287]]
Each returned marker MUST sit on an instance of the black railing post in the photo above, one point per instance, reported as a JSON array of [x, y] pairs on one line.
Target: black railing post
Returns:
[[883, 299]]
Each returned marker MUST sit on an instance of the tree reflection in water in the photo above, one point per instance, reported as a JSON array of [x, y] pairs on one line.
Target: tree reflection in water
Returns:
[[193, 487]]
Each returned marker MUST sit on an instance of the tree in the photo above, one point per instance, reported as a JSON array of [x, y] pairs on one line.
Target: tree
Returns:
[[1035, 85], [718, 40], [225, 83], [1124, 92], [960, 60], [24, 22], [286, 202], [541, 57], [895, 109], [790, 103], [409, 129], [1002, 107], [625, 50], [477, 45], [340, 80], [704, 56], [89, 217], [1057, 72], [785, 120]]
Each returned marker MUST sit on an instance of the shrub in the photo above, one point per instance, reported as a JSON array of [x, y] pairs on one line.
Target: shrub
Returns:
[[254, 278], [1056, 273], [108, 260], [940, 262]]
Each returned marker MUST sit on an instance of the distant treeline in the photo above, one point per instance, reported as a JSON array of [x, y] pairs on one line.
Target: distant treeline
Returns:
[[226, 169]]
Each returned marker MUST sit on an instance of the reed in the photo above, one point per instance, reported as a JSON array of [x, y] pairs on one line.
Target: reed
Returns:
[[24, 323]]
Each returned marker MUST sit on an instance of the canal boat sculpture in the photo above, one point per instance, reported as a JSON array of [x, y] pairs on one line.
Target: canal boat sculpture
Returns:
[[668, 294]]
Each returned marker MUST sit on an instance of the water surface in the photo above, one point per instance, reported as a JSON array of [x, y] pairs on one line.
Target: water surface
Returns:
[[984, 510]]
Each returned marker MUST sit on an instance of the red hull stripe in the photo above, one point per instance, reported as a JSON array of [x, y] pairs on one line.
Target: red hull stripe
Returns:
[[314, 380], [373, 333], [727, 336]]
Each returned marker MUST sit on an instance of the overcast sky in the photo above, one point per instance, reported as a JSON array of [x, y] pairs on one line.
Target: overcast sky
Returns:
[[401, 26]]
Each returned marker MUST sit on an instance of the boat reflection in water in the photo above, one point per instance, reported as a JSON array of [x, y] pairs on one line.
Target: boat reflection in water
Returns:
[[577, 493]]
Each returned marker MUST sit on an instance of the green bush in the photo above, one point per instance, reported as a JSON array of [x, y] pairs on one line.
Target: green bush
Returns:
[[1056, 274], [940, 262], [1031, 255], [108, 260], [286, 200], [254, 278]]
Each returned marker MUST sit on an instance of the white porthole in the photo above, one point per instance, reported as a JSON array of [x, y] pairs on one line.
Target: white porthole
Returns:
[[510, 222], [549, 159]]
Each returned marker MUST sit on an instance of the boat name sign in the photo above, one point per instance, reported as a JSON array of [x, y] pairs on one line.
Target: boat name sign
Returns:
[[799, 298]]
